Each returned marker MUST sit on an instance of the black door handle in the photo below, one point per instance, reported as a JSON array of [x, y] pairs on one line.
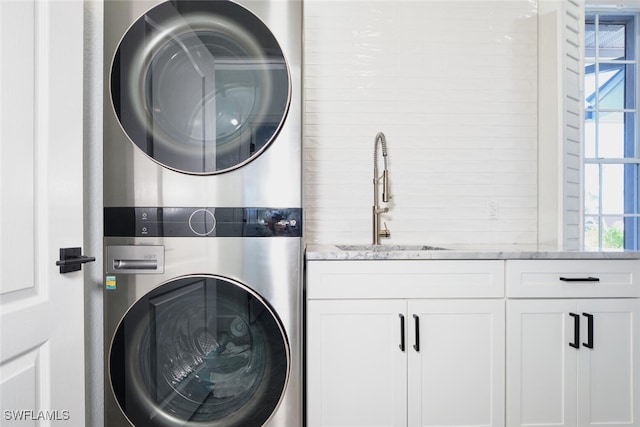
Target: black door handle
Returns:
[[71, 259], [576, 331], [589, 343], [416, 346], [580, 279], [401, 332]]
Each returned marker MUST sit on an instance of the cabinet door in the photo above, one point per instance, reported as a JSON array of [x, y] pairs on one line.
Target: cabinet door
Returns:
[[356, 370], [541, 365], [609, 372], [456, 362]]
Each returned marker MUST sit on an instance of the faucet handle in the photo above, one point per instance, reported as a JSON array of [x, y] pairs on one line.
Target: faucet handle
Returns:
[[386, 232]]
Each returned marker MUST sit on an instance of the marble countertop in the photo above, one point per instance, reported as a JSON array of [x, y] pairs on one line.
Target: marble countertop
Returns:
[[327, 252]]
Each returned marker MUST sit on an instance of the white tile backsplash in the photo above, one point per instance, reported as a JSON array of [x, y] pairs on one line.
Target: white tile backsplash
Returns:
[[453, 85]]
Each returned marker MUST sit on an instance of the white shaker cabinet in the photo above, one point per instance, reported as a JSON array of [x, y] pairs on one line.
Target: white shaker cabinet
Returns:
[[456, 374], [422, 357], [573, 362], [356, 372]]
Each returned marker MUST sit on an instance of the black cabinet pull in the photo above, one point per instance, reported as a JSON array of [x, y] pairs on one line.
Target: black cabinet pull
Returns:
[[416, 346], [580, 279], [589, 343], [401, 332], [576, 331]]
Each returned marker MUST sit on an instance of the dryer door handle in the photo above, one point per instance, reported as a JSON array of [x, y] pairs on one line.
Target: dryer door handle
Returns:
[[135, 264]]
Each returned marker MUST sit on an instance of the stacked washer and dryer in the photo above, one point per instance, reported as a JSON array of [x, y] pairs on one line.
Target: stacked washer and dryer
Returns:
[[203, 213]]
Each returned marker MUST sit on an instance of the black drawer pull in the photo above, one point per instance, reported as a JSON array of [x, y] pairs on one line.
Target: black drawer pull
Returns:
[[401, 332], [580, 279], [589, 343], [576, 330], [416, 346]]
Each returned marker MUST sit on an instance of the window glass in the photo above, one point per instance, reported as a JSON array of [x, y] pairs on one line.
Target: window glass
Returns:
[[611, 41], [592, 189], [613, 182], [590, 133], [611, 134], [610, 150], [612, 232], [592, 232], [611, 86]]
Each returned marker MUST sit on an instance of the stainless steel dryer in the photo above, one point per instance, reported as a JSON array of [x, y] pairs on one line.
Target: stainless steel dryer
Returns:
[[202, 103], [203, 317]]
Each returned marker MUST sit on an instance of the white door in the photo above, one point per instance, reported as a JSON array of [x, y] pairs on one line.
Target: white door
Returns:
[[41, 207], [456, 363], [356, 368], [541, 365], [609, 363]]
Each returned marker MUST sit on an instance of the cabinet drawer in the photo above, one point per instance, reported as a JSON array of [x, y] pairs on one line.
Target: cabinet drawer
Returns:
[[572, 278], [405, 279]]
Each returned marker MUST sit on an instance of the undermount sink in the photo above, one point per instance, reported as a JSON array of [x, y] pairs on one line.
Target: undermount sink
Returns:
[[389, 248]]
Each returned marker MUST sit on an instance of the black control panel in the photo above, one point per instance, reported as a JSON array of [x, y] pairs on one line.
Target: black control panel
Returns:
[[202, 222]]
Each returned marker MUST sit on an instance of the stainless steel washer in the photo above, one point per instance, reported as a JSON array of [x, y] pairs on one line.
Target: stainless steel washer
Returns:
[[203, 317]]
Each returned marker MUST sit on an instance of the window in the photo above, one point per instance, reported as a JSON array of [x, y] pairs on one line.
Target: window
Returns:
[[611, 145]]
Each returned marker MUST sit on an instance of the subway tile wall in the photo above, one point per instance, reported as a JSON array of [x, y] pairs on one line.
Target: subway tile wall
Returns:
[[453, 85]]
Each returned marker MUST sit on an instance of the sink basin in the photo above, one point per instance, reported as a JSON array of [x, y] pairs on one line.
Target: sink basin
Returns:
[[389, 248]]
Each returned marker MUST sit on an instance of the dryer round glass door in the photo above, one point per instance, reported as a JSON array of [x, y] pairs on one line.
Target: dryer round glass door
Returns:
[[201, 87], [200, 351]]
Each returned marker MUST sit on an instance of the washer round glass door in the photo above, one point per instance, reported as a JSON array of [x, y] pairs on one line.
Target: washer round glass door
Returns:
[[200, 351], [201, 87]]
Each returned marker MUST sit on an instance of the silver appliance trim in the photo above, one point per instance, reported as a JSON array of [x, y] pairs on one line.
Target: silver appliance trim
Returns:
[[126, 259]]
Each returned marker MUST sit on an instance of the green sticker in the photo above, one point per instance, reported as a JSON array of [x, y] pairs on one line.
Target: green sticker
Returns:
[[110, 283]]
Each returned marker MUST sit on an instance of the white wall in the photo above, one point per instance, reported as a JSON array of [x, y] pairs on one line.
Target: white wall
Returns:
[[93, 24], [453, 84]]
